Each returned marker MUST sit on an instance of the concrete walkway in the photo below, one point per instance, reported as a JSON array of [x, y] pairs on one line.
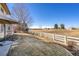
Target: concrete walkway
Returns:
[[26, 45]]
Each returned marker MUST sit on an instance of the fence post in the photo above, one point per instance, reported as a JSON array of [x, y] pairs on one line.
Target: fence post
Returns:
[[53, 37], [65, 40], [40, 34]]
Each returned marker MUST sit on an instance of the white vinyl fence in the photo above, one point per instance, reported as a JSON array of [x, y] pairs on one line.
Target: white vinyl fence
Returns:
[[61, 39]]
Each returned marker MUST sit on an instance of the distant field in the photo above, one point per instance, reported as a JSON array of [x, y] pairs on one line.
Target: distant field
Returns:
[[74, 33]]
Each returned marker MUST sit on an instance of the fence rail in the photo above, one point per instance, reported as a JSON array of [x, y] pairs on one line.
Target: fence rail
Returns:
[[62, 39]]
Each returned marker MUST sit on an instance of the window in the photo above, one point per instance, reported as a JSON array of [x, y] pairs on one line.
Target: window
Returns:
[[8, 27]]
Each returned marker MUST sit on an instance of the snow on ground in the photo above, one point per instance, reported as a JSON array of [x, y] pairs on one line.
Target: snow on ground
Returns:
[[5, 48]]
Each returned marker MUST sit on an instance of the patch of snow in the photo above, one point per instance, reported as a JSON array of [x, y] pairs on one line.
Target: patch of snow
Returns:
[[5, 48]]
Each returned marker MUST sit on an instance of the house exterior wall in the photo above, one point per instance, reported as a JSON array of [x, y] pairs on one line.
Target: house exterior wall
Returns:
[[8, 27], [2, 10], [4, 7], [1, 31], [1, 26]]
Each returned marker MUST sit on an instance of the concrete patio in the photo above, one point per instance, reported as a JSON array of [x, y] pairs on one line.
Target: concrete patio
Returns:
[[26, 45]]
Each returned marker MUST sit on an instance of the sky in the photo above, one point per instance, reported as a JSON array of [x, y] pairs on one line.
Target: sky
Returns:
[[48, 14]]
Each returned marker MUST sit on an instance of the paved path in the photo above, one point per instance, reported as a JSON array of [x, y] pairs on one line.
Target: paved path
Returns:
[[26, 45]]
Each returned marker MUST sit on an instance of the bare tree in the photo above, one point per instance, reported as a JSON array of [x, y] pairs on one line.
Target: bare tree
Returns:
[[20, 12]]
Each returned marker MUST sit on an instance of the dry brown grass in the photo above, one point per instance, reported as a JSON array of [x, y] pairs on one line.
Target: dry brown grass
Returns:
[[74, 33]]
